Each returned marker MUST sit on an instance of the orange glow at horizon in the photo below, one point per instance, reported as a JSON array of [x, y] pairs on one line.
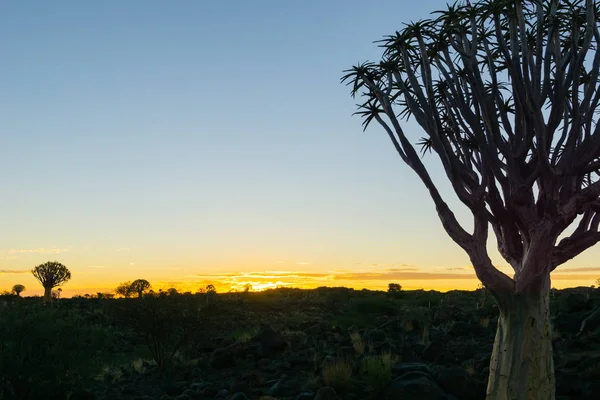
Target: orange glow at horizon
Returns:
[[259, 281]]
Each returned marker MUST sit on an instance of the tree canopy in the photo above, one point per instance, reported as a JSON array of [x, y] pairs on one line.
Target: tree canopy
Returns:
[[506, 92]]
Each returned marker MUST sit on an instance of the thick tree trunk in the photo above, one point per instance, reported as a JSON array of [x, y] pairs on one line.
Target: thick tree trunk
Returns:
[[522, 367], [47, 294]]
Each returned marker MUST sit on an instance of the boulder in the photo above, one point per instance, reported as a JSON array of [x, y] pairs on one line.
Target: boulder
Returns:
[[326, 393], [415, 385]]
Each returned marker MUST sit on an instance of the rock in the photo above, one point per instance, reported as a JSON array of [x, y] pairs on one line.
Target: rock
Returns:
[[239, 386], [222, 358], [567, 383], [305, 396], [313, 330], [575, 302], [326, 393], [460, 329], [285, 387], [199, 385], [456, 381], [590, 323], [438, 353], [239, 396], [271, 342], [414, 385], [570, 323], [375, 336], [79, 394], [300, 360], [464, 350], [399, 369], [590, 390], [222, 394]]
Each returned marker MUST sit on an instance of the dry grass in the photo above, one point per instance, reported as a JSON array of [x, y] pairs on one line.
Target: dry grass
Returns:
[[338, 375], [378, 370], [484, 322], [357, 343]]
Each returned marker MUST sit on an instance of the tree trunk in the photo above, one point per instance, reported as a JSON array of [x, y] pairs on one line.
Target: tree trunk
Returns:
[[521, 366], [47, 294]]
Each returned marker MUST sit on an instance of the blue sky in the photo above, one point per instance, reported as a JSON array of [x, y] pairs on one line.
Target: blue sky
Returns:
[[169, 139]]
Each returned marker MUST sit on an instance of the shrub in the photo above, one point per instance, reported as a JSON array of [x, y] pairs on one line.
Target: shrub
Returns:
[[47, 350], [166, 324]]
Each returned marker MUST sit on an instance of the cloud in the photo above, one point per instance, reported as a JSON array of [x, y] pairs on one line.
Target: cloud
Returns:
[[15, 271], [302, 263], [392, 275], [578, 269], [124, 249], [456, 269], [40, 250], [403, 269]]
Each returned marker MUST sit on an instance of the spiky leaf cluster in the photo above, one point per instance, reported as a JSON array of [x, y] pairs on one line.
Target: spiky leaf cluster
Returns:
[[51, 274], [506, 92]]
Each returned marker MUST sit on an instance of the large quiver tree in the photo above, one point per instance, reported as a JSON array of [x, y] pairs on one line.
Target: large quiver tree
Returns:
[[51, 275], [140, 286], [506, 92]]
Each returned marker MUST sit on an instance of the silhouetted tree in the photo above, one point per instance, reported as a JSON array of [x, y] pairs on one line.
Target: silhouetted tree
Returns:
[[394, 288], [172, 291], [17, 289], [507, 97], [140, 286], [247, 288], [124, 289], [210, 292], [50, 275]]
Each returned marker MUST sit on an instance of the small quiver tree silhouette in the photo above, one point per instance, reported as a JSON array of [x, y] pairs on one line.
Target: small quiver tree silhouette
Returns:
[[17, 289], [394, 288], [140, 286], [210, 292], [124, 289], [507, 94], [51, 275]]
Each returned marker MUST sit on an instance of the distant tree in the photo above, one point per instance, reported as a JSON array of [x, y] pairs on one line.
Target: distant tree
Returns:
[[17, 289], [124, 289], [201, 291], [394, 288], [50, 275], [247, 288], [140, 286], [172, 291], [210, 292]]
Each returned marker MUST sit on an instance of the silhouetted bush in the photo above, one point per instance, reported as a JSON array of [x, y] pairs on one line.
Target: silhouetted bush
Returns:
[[165, 323], [44, 351]]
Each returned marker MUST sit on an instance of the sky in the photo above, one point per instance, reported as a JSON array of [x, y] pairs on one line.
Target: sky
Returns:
[[194, 142]]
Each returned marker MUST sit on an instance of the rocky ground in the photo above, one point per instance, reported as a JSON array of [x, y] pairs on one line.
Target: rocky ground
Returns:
[[340, 344]]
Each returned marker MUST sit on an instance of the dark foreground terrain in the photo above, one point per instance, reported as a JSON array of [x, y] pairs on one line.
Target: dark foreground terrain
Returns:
[[321, 344]]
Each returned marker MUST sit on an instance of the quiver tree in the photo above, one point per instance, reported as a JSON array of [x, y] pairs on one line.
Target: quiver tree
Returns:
[[124, 289], [17, 289], [51, 275], [506, 92], [140, 286]]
